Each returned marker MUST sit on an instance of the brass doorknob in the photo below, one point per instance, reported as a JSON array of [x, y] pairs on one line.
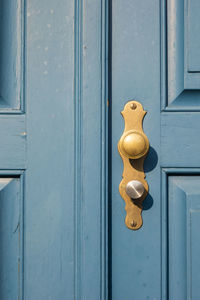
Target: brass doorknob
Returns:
[[135, 189], [134, 144]]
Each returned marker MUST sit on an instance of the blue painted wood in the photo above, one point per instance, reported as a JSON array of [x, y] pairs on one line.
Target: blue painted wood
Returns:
[[177, 237], [193, 40], [65, 182], [13, 136], [91, 169], [175, 48], [49, 179], [178, 38], [11, 237], [11, 55], [194, 243], [179, 139], [136, 269], [183, 237], [159, 261], [53, 118], [59, 138], [180, 191]]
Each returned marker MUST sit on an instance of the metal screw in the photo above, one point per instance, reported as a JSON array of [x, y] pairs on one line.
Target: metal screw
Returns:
[[133, 106], [133, 223]]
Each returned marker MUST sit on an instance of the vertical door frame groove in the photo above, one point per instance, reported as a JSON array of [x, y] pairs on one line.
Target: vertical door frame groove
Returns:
[[77, 139]]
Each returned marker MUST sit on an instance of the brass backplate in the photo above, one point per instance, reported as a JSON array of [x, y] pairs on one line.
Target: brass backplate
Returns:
[[133, 147]]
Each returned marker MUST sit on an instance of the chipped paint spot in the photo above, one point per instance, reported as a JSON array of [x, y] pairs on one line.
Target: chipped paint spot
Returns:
[[45, 72], [28, 14], [46, 48], [51, 11], [45, 63], [49, 25]]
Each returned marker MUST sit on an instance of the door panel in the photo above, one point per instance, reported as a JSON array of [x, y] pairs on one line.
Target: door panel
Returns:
[[11, 238], [11, 55], [179, 26], [49, 178], [183, 238], [193, 39]]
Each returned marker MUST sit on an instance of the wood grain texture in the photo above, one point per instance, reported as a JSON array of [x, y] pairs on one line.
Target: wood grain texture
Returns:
[[49, 178], [183, 238], [193, 38], [12, 56], [180, 241], [11, 239], [135, 75], [180, 85], [180, 139], [91, 149], [13, 142], [60, 140], [65, 194]]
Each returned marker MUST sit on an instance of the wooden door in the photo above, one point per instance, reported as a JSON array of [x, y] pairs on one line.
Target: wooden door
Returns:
[[67, 68], [155, 60], [53, 153]]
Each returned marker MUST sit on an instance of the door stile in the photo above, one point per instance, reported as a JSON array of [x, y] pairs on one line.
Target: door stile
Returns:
[[91, 167]]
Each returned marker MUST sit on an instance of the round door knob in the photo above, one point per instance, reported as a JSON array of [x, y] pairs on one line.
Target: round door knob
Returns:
[[134, 189], [134, 144]]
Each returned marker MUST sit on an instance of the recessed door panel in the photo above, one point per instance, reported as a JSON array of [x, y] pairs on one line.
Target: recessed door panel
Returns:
[[11, 238], [11, 55], [183, 237], [193, 35], [180, 52]]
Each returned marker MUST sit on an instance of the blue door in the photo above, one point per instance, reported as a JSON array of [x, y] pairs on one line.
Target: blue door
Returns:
[[155, 60], [67, 69]]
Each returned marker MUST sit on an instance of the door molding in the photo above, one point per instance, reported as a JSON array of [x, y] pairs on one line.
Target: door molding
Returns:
[[90, 106]]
